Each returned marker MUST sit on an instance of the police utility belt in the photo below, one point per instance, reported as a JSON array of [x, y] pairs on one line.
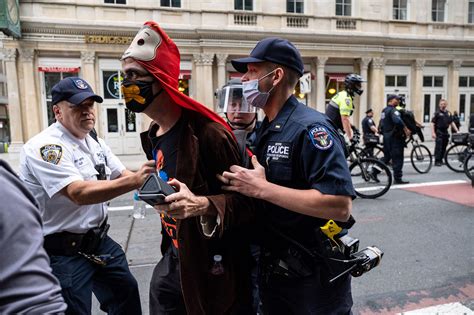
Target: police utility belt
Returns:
[[71, 244], [296, 260]]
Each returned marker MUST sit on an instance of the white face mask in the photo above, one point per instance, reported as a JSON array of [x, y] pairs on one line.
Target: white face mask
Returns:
[[252, 94]]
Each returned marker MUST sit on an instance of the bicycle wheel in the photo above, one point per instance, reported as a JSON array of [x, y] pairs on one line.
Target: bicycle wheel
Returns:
[[421, 159], [455, 156], [469, 166], [371, 178], [377, 152]]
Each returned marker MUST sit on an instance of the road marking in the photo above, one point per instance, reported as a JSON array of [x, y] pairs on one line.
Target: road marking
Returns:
[[446, 182], [445, 309]]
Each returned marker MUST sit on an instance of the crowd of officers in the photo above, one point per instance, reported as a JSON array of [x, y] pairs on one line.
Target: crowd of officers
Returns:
[[244, 195]]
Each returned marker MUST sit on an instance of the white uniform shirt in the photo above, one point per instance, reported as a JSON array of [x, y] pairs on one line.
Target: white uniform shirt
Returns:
[[52, 160]]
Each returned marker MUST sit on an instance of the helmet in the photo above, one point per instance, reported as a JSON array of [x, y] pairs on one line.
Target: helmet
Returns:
[[233, 105], [353, 84]]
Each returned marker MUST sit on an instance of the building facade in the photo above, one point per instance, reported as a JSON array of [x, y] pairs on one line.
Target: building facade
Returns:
[[423, 49]]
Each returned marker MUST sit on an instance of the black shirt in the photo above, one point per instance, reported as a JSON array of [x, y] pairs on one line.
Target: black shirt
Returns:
[[442, 120], [367, 122], [165, 150]]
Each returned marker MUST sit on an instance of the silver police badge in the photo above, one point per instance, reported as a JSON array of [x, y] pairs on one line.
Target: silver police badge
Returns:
[[51, 153], [320, 138], [80, 84]]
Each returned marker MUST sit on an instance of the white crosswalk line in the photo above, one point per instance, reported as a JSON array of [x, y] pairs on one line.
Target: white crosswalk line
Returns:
[[443, 309]]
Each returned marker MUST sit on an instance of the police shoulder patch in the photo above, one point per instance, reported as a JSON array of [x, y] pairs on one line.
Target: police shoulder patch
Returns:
[[321, 138], [348, 102], [51, 153]]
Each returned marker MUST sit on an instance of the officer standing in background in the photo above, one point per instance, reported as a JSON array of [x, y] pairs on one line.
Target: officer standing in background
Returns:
[[341, 106], [369, 131], [394, 133], [26, 282], [301, 175], [440, 123], [72, 175]]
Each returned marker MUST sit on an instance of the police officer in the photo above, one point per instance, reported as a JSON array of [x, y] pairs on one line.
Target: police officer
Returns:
[[301, 175], [394, 132], [341, 106], [440, 123], [369, 131], [72, 176], [27, 284]]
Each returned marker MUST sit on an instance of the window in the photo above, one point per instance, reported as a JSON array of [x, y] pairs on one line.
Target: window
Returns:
[[295, 6], [426, 108], [463, 81], [437, 10], [171, 3], [246, 5], [462, 106], [116, 1], [396, 80], [343, 7], [50, 79], [400, 11], [470, 16], [433, 81]]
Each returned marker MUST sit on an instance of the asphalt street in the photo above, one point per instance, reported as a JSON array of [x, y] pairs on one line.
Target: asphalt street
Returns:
[[427, 243]]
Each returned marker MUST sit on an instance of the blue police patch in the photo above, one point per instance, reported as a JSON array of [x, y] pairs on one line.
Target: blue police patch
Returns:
[[321, 138]]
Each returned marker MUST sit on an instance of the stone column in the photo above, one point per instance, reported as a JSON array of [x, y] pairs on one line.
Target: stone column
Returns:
[[453, 85], [416, 103], [87, 68], [14, 107], [377, 86], [30, 100], [321, 85], [221, 71], [364, 66], [204, 89]]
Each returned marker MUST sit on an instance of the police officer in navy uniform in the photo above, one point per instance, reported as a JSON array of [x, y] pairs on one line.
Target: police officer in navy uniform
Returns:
[[394, 134], [440, 123], [369, 130], [73, 175], [301, 175]]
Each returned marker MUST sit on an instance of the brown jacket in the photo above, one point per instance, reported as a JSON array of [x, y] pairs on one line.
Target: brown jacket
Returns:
[[205, 149]]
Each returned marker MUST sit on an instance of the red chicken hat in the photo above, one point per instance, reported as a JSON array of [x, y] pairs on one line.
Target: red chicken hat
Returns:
[[158, 54]]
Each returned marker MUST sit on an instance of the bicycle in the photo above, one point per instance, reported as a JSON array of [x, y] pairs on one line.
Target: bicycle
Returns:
[[420, 156], [468, 165], [371, 178], [457, 152]]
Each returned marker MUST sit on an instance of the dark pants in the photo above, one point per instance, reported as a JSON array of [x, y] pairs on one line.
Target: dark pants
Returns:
[[166, 296], [393, 150], [306, 295], [113, 284], [442, 139]]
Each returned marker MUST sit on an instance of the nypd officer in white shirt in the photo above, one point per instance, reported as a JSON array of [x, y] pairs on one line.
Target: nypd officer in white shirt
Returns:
[[72, 175]]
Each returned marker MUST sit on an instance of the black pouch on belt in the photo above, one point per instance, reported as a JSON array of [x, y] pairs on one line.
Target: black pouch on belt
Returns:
[[93, 237]]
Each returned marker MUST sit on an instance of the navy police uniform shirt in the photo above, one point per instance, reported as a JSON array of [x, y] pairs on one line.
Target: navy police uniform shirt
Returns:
[[442, 120], [391, 118], [301, 149], [367, 122]]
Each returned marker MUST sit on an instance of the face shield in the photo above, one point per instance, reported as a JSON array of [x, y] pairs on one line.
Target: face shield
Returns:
[[230, 101]]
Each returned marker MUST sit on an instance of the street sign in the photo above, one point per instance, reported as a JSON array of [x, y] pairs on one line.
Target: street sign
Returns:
[[305, 83]]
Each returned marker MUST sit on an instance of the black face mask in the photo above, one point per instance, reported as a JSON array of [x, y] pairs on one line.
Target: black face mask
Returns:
[[138, 95]]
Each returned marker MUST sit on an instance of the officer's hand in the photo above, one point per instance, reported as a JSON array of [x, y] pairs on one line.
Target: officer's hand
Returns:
[[245, 181], [142, 174], [407, 132], [183, 204], [433, 135]]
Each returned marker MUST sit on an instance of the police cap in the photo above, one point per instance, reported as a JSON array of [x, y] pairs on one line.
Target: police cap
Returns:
[[275, 50], [74, 90]]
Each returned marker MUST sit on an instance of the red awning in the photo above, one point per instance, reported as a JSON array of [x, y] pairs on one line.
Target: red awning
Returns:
[[339, 77], [59, 69], [184, 74]]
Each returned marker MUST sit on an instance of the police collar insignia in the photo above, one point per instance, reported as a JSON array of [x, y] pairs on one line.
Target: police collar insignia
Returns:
[[320, 138], [80, 84], [51, 153]]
